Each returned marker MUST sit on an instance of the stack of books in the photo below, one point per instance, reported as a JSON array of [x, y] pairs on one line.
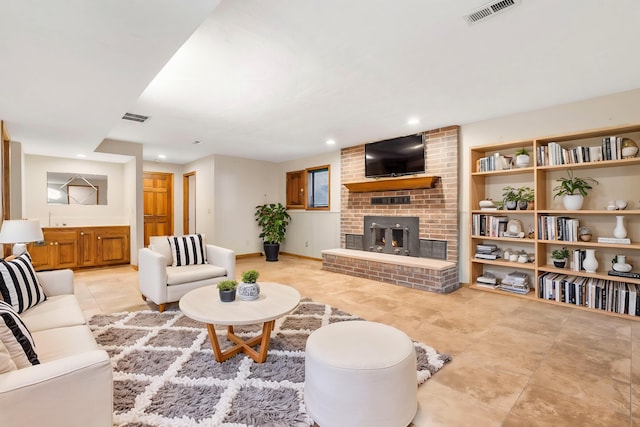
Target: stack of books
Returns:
[[487, 280], [487, 251], [516, 282]]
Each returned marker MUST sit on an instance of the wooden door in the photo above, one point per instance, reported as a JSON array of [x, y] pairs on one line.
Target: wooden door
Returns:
[[158, 205]]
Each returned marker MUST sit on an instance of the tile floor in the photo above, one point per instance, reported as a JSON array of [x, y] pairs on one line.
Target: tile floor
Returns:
[[515, 362]]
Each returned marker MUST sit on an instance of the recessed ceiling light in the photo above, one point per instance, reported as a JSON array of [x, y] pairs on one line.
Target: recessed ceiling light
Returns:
[[81, 155], [162, 156], [413, 121], [331, 142]]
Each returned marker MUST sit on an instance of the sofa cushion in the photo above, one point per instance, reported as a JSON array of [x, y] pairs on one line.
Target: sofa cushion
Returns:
[[193, 273], [62, 342], [160, 244], [16, 337], [187, 250], [59, 311], [6, 362], [19, 284]]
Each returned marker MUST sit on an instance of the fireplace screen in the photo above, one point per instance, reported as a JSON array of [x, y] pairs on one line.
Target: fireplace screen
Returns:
[[393, 235]]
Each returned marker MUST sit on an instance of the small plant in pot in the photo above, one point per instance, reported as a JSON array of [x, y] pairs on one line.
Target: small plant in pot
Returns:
[[522, 158], [274, 219], [525, 198], [249, 290], [573, 190], [227, 290], [510, 197], [560, 257]]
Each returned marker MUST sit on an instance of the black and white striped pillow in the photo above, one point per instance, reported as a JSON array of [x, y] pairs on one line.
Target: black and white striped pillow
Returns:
[[19, 285], [16, 337], [188, 250]]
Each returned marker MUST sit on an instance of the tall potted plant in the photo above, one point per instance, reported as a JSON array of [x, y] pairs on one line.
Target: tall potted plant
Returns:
[[274, 219]]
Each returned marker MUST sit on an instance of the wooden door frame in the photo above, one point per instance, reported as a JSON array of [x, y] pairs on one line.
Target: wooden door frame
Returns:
[[185, 200]]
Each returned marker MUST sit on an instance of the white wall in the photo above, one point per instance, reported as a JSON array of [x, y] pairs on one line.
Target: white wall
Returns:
[[35, 187], [239, 186], [607, 111], [310, 232]]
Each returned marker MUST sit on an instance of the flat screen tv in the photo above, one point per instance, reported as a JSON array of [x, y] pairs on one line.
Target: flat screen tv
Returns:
[[394, 157]]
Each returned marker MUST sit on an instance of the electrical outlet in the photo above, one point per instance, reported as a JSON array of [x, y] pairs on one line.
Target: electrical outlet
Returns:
[[306, 244]]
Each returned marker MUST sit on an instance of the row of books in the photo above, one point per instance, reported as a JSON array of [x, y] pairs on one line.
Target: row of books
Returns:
[[608, 295], [563, 228], [488, 225], [554, 154], [493, 163]]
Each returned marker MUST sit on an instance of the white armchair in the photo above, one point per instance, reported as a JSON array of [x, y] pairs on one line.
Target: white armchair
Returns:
[[162, 283]]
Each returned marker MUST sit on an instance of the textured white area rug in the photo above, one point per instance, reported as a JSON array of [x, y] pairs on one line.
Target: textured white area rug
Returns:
[[165, 373]]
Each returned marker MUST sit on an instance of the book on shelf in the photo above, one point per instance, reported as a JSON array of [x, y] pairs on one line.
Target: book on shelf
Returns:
[[625, 241], [514, 289], [630, 274], [494, 255]]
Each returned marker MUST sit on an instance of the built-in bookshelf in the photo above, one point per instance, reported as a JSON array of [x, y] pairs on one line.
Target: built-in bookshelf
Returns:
[[532, 234]]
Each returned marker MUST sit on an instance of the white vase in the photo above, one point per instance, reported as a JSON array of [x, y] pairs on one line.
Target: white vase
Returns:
[[621, 264], [620, 232], [248, 291], [590, 263], [572, 202]]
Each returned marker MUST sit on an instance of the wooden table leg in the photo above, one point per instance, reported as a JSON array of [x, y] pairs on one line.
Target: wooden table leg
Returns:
[[241, 345]]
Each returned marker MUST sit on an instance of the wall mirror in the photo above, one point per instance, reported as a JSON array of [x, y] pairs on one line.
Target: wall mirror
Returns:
[[76, 189]]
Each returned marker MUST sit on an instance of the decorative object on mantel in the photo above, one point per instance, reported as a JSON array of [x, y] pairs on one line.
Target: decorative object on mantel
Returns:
[[619, 232], [184, 387], [393, 184], [620, 264], [248, 289]]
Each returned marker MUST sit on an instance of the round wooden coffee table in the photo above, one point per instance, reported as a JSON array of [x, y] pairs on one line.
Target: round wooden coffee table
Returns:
[[204, 305]]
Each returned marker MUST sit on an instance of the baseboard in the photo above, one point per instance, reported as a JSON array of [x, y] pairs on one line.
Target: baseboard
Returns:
[[301, 256], [252, 255]]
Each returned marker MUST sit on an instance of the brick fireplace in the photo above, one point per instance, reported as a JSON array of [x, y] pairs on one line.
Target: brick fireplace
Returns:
[[435, 208]]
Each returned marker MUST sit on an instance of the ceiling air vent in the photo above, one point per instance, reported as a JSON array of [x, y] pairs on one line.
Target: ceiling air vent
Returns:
[[135, 117], [490, 9]]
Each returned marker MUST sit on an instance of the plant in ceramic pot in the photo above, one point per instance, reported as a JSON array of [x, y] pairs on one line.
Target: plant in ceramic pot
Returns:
[[522, 158], [249, 290], [573, 189], [274, 219], [227, 290], [559, 257], [525, 198], [510, 197]]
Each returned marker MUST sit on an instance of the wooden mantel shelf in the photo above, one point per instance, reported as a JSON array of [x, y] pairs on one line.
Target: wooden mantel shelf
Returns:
[[412, 183]]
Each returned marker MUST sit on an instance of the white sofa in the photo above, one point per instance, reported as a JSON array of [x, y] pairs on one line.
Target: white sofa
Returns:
[[72, 385], [162, 283]]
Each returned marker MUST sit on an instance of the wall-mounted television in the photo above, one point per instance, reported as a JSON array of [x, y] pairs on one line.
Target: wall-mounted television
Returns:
[[394, 157]]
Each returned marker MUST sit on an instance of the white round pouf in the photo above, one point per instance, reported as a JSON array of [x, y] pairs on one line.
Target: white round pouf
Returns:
[[360, 373]]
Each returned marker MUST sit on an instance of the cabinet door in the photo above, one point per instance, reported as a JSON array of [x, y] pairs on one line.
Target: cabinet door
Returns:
[[65, 250], [113, 247], [88, 248], [42, 255]]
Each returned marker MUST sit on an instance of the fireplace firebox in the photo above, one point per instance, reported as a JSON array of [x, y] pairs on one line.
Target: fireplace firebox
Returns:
[[397, 235]]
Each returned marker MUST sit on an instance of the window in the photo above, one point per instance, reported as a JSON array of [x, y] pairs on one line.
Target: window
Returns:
[[308, 189], [318, 188]]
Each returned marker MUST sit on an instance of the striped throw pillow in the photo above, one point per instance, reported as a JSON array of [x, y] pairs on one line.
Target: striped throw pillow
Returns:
[[16, 337], [188, 250], [19, 284]]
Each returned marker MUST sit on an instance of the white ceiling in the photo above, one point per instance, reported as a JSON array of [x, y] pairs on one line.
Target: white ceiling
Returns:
[[274, 79]]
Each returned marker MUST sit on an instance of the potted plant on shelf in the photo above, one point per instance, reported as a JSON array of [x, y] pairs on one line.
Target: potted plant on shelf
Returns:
[[227, 290], [249, 290], [522, 158], [560, 257], [525, 198], [510, 197], [274, 219], [573, 189]]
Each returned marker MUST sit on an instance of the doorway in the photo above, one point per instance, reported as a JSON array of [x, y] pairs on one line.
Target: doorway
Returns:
[[189, 203], [158, 205]]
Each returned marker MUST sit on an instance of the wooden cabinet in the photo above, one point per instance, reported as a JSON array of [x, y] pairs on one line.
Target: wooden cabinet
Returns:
[[77, 247], [617, 180]]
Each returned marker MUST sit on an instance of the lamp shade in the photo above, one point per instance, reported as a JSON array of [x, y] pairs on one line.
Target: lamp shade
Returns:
[[20, 231]]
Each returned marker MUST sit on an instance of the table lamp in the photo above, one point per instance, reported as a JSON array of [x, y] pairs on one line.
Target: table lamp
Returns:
[[20, 232]]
